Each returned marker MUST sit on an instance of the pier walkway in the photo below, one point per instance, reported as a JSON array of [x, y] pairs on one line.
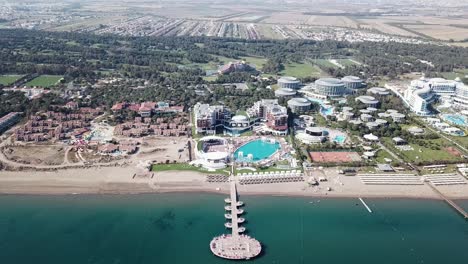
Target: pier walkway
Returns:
[[235, 245], [234, 209], [450, 202]]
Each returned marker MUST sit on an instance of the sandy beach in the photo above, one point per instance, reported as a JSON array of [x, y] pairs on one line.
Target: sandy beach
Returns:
[[121, 180]]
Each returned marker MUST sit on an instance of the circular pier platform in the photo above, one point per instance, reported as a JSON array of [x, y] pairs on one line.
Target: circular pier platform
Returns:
[[235, 247]]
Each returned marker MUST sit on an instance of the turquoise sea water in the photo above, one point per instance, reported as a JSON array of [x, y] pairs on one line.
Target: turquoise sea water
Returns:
[[177, 228], [258, 148]]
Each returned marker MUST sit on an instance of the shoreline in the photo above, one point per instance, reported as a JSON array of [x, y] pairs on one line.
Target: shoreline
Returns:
[[121, 181]]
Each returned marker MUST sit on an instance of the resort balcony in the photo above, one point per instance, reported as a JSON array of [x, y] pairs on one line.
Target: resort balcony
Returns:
[[240, 220], [228, 216], [228, 225]]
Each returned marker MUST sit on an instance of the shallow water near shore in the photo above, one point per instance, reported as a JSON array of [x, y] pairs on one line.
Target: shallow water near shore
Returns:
[[177, 228]]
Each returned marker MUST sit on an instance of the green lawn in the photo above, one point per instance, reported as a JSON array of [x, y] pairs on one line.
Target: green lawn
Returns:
[[382, 155], [423, 153], [9, 79], [301, 70], [324, 63], [461, 73], [257, 61], [210, 78], [346, 62], [461, 140], [45, 81], [184, 167]]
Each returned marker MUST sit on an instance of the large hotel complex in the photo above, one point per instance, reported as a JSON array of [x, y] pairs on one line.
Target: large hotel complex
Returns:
[[422, 93], [265, 116]]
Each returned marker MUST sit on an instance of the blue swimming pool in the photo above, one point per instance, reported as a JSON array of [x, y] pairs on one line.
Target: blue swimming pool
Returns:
[[324, 108], [459, 120], [260, 150], [340, 139]]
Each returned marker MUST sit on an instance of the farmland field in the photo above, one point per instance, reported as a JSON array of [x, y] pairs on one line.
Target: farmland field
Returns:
[[9, 79], [45, 81], [442, 32]]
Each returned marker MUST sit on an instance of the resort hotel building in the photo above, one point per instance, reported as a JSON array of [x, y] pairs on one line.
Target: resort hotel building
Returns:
[[423, 92], [285, 92], [273, 115], [289, 82], [299, 105], [460, 100], [353, 83], [367, 100], [208, 117], [330, 87], [378, 91]]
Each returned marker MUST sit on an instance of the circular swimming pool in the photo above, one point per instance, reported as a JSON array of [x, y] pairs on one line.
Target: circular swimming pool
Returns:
[[256, 150]]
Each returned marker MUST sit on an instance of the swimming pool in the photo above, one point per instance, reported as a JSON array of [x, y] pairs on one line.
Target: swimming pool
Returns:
[[459, 120], [340, 139], [324, 108], [259, 149], [326, 111]]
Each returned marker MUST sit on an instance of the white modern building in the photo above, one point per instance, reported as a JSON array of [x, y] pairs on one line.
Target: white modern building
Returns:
[[285, 92], [208, 117], [237, 125], [299, 105], [213, 153], [378, 91], [289, 82], [330, 87], [272, 114], [423, 92], [352, 83], [368, 100], [313, 135], [460, 100]]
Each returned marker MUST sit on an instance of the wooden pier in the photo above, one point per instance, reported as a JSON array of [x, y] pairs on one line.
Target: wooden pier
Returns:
[[455, 206]]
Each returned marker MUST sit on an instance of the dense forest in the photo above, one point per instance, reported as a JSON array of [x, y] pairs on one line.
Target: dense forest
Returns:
[[174, 65], [87, 55]]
